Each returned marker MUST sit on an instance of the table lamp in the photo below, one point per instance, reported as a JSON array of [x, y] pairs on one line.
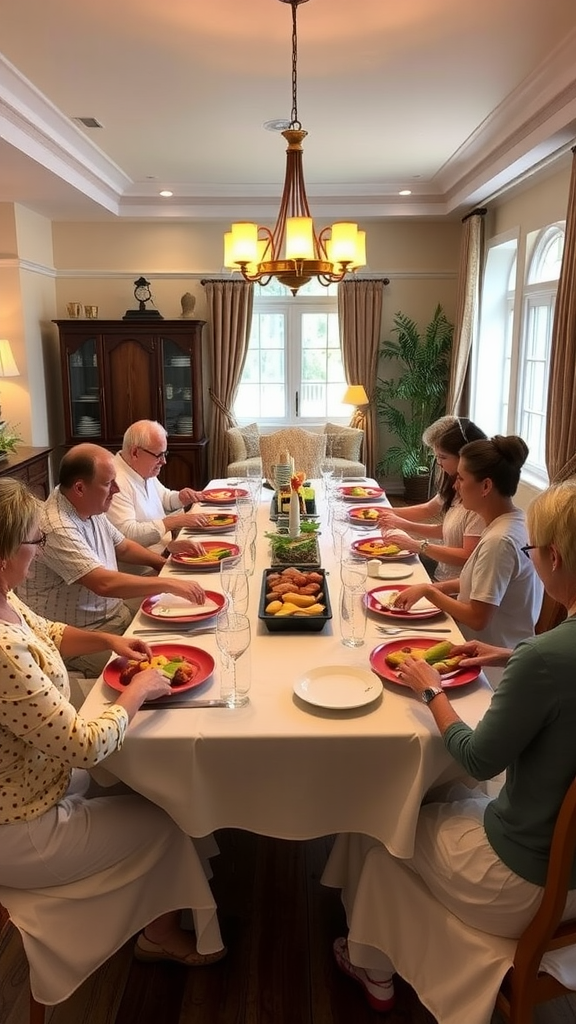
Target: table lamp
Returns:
[[8, 366], [356, 395]]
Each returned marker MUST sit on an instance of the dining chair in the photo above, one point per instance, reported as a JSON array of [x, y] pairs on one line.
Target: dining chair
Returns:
[[528, 983]]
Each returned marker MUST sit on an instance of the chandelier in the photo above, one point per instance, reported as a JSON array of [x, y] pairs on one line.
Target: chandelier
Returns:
[[293, 252]]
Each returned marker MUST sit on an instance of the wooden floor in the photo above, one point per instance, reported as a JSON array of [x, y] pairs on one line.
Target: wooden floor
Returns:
[[278, 923]]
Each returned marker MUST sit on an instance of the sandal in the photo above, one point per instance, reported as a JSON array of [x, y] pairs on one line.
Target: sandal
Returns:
[[151, 952], [380, 994]]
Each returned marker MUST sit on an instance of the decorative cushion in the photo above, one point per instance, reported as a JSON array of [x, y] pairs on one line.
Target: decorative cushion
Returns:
[[244, 442], [307, 449], [343, 442]]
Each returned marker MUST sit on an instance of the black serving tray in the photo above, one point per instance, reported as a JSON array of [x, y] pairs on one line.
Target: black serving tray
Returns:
[[310, 513], [294, 623]]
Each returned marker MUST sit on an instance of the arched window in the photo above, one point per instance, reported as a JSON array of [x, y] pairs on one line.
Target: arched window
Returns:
[[543, 271]]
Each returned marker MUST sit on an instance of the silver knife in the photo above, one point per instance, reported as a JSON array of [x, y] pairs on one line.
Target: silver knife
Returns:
[[170, 632], [171, 702]]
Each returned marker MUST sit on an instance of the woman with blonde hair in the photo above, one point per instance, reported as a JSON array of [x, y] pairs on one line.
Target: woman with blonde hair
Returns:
[[133, 861], [446, 532], [483, 859]]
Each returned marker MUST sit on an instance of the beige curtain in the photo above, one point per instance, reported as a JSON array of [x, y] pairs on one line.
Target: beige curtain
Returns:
[[230, 304], [561, 411], [467, 305], [359, 317]]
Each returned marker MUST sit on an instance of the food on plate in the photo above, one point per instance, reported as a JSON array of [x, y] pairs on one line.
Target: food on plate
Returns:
[[361, 492], [222, 519], [178, 670], [211, 556], [365, 513], [437, 656], [376, 546]]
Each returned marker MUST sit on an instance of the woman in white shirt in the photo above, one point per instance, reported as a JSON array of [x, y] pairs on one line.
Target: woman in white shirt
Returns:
[[446, 532]]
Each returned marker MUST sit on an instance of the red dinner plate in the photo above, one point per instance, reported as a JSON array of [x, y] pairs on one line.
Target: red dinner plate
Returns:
[[369, 493], [373, 605], [373, 547], [379, 654], [357, 515], [147, 608], [195, 655], [217, 521], [194, 563], [223, 496]]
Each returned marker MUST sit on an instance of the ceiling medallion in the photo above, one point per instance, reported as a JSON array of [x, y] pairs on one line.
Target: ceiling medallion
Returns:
[[293, 251]]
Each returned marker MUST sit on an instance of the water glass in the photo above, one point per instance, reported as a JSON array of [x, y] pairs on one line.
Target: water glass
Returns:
[[233, 640], [234, 583], [245, 537], [352, 617], [354, 572]]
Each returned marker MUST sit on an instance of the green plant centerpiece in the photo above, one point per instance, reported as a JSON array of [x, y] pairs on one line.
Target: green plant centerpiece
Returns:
[[9, 440], [301, 550], [415, 397]]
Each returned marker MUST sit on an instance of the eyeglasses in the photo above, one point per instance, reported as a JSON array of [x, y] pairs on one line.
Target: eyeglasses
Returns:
[[526, 548], [155, 455], [41, 540]]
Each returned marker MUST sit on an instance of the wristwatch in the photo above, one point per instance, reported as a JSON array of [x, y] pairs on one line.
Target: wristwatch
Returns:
[[423, 545], [429, 694]]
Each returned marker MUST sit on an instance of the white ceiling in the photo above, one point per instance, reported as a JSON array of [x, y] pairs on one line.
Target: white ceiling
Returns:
[[450, 99]]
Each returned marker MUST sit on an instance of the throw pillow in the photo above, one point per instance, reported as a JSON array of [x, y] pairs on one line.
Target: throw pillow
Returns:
[[343, 442], [236, 445], [251, 436]]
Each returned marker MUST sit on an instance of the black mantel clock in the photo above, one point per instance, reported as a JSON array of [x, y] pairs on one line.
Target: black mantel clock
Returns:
[[143, 295]]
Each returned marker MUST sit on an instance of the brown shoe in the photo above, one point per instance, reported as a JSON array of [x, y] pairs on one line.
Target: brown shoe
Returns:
[[151, 952]]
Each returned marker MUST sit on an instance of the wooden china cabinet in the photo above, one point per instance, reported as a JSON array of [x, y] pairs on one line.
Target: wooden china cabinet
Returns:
[[116, 371]]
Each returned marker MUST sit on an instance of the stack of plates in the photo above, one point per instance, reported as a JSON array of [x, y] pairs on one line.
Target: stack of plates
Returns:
[[180, 361], [184, 425], [88, 426]]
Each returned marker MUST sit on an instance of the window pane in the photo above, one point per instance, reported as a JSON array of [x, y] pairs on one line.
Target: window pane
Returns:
[[547, 256]]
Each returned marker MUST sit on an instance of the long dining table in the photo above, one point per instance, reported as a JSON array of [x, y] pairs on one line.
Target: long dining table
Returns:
[[280, 766]]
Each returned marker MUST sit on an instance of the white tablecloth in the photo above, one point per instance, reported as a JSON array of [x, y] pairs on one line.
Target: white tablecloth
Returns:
[[282, 767]]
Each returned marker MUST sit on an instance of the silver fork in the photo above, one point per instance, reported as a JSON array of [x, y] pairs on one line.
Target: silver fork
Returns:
[[392, 630]]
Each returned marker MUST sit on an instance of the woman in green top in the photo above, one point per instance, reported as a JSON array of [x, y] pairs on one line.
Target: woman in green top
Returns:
[[486, 859]]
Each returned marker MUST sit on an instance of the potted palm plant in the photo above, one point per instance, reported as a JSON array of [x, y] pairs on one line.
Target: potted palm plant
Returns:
[[9, 440], [414, 397]]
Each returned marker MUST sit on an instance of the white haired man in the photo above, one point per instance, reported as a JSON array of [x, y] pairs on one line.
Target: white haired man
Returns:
[[143, 509]]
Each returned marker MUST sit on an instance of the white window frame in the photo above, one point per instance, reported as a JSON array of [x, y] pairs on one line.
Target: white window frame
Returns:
[[293, 308]]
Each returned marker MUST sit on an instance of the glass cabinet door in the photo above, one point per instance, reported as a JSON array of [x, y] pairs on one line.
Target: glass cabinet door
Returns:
[[84, 377], [177, 373]]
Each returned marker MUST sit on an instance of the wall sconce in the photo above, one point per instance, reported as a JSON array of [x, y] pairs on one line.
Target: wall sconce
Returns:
[[356, 395], [8, 366]]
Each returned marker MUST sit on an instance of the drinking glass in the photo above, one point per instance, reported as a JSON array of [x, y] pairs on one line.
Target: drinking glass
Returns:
[[340, 527], [233, 639], [234, 583], [326, 472], [354, 572], [352, 616], [245, 506], [245, 537]]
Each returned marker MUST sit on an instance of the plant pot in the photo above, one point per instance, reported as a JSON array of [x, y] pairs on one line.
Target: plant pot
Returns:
[[416, 488]]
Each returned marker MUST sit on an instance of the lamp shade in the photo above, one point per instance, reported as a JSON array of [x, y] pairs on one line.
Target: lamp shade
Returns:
[[355, 395], [8, 366]]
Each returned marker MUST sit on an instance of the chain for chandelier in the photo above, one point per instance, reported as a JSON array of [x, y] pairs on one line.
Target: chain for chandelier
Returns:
[[293, 252]]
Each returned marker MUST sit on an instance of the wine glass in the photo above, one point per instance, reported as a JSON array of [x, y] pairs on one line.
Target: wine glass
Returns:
[[233, 639], [326, 472], [245, 537], [234, 583]]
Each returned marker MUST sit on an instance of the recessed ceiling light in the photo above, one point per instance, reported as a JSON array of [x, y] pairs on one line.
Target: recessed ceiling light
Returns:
[[405, 192], [166, 192]]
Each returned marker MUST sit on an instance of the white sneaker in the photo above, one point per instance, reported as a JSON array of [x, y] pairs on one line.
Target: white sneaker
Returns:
[[380, 994]]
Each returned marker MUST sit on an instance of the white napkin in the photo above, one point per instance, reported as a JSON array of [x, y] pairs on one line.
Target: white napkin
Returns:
[[399, 533], [386, 600], [170, 606]]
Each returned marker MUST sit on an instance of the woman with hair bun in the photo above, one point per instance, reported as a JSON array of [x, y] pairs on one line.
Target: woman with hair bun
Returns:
[[498, 596], [446, 532]]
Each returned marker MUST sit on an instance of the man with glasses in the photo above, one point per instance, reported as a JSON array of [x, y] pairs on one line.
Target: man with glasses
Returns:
[[143, 509], [75, 578]]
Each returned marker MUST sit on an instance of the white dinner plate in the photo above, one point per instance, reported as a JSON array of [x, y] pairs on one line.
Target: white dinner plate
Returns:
[[394, 572], [338, 686]]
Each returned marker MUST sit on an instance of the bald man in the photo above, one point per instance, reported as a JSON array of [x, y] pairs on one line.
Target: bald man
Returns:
[[75, 578]]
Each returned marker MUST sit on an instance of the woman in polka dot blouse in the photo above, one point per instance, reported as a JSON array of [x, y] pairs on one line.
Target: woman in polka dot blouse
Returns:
[[50, 832]]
